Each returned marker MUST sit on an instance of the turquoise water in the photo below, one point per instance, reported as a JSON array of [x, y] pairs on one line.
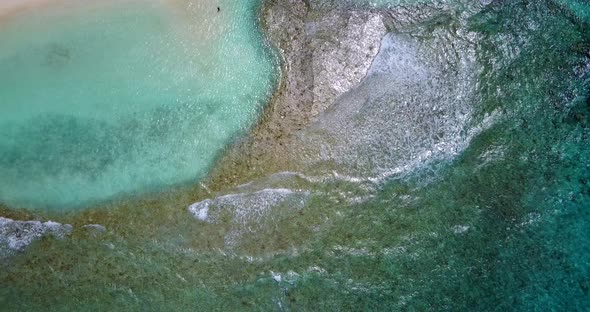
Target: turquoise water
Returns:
[[112, 99], [496, 219]]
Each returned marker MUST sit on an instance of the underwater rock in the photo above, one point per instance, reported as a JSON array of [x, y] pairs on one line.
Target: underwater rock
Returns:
[[17, 235], [423, 86], [325, 53], [247, 207], [95, 230], [343, 45], [249, 212]]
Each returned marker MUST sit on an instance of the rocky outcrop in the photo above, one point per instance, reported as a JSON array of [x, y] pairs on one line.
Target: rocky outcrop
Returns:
[[16, 235], [324, 52], [249, 213], [343, 44], [94, 230]]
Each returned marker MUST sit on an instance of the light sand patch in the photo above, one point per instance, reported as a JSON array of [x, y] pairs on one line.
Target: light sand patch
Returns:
[[206, 24], [12, 8]]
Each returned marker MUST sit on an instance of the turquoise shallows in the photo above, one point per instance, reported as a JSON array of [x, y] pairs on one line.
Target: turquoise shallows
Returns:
[[105, 100]]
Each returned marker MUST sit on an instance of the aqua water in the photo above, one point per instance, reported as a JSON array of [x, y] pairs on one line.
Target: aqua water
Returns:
[[114, 99]]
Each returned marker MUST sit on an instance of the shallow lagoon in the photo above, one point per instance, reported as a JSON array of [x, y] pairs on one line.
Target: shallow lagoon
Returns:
[[109, 99]]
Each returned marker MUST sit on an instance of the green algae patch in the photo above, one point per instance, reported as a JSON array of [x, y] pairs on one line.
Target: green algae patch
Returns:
[[99, 101]]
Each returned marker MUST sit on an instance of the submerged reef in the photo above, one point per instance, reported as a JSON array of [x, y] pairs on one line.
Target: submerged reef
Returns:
[[17, 235], [416, 155]]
